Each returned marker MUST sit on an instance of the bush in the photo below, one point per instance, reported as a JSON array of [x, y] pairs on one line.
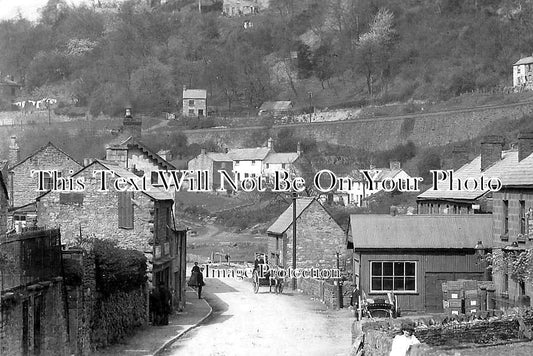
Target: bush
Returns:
[[118, 270], [71, 111], [72, 272]]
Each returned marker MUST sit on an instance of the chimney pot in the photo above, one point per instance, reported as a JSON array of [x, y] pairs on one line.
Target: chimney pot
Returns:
[[270, 143], [14, 152], [395, 165], [525, 145], [491, 150], [202, 151]]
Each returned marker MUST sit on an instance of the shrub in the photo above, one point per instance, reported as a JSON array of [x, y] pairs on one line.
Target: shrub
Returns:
[[72, 272], [118, 270]]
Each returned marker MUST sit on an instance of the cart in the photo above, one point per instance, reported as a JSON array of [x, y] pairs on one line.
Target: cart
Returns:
[[270, 279], [381, 306]]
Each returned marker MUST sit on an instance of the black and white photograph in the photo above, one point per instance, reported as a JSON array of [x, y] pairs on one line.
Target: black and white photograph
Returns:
[[266, 177]]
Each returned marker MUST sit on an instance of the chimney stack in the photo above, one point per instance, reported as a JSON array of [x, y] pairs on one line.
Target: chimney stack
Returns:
[[14, 153], [202, 151], [299, 148], [394, 165], [270, 142], [491, 150], [132, 126], [525, 145]]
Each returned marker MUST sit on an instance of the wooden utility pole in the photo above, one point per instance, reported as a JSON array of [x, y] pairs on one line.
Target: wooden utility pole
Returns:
[[294, 198]]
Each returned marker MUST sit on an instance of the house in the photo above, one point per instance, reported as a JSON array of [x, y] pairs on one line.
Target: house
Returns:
[[140, 220], [523, 73], [276, 108], [493, 162], [393, 173], [23, 186], [194, 102], [212, 162], [244, 7], [9, 90], [276, 162], [513, 221], [411, 255], [318, 237], [33, 310]]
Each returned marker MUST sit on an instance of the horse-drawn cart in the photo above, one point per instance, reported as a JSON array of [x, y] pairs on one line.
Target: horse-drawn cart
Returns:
[[270, 278]]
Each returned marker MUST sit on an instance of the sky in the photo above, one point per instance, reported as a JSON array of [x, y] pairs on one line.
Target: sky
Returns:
[[28, 8]]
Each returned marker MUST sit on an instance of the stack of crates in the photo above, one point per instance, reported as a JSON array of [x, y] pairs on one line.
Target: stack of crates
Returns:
[[455, 298], [472, 297]]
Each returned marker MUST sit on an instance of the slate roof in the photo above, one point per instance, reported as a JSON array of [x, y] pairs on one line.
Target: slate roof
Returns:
[[219, 157], [284, 221], [525, 60], [372, 231], [194, 94], [472, 169], [131, 142], [385, 173], [276, 106], [248, 154], [288, 157], [49, 144], [519, 175]]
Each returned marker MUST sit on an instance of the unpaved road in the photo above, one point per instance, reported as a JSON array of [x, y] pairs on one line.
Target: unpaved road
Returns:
[[244, 323]]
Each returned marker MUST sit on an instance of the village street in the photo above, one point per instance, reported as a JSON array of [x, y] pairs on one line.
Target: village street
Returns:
[[244, 323]]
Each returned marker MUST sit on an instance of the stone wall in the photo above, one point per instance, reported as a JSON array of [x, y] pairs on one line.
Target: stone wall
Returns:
[[431, 129], [23, 313], [324, 291], [22, 186]]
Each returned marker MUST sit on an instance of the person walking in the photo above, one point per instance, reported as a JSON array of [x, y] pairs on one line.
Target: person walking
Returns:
[[197, 279]]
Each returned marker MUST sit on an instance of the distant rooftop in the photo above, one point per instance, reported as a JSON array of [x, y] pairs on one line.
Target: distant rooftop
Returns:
[[525, 60], [194, 94]]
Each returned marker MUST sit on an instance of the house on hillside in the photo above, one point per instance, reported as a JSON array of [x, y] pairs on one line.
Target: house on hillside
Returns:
[[9, 90], [523, 73], [318, 237], [244, 7], [412, 255], [276, 108], [276, 162], [513, 223], [194, 102], [139, 220], [212, 162], [23, 186], [493, 162]]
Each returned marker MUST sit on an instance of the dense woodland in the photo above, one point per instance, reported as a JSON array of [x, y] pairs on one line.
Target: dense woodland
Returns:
[[356, 50]]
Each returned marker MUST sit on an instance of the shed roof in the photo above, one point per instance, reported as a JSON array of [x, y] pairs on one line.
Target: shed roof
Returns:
[[419, 231], [276, 105], [473, 170], [194, 94], [525, 60]]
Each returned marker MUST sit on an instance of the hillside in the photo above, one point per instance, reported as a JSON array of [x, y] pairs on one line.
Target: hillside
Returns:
[[322, 53]]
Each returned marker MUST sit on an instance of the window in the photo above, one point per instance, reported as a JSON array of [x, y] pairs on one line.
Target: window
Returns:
[[245, 175], [283, 165], [154, 178], [236, 163], [125, 210], [200, 112], [253, 163], [268, 165], [522, 217], [395, 276], [505, 217], [191, 102], [49, 180], [191, 111]]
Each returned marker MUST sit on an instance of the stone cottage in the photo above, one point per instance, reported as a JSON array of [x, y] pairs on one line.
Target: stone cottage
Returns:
[[318, 237], [23, 186], [139, 220]]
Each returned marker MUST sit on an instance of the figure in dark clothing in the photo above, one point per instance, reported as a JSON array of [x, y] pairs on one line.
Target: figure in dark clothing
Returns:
[[197, 279], [155, 306], [165, 302]]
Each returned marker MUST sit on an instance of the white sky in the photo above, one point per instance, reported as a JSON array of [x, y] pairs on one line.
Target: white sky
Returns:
[[28, 8]]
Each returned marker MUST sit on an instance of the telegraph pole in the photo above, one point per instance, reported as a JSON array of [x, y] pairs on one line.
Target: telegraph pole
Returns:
[[294, 198]]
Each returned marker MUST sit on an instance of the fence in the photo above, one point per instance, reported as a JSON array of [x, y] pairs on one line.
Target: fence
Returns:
[[29, 258]]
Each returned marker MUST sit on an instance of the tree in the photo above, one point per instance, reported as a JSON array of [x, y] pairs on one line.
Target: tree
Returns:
[[323, 63], [374, 48]]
